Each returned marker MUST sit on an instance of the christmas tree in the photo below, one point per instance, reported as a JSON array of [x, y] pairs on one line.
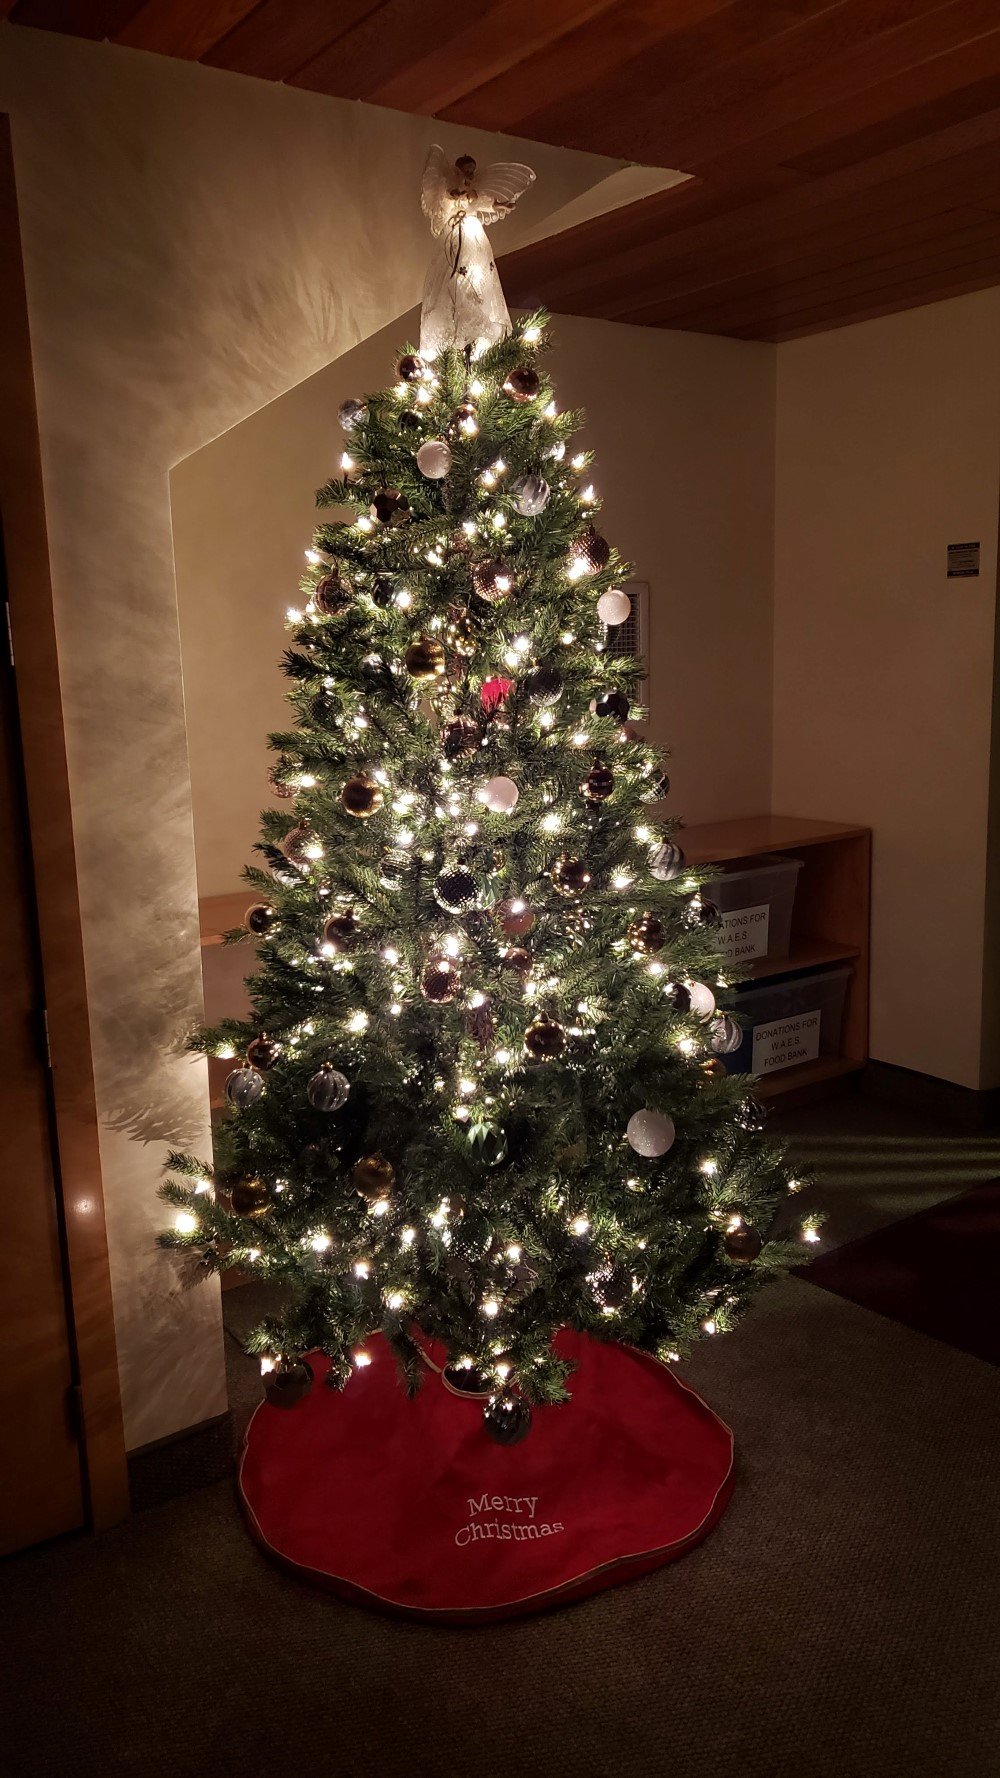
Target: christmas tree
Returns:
[[481, 1096]]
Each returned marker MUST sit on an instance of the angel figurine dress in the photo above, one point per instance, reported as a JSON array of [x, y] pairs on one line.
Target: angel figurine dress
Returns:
[[463, 304]]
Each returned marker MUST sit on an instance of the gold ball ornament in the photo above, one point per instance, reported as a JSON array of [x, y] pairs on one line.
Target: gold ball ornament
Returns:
[[424, 659], [262, 1051], [390, 507], [295, 842], [373, 1177], [331, 595], [249, 1198], [545, 1038], [523, 383], [570, 877], [742, 1245], [361, 797], [599, 783], [493, 580], [714, 1067], [341, 930], [593, 550], [460, 738], [647, 933], [260, 919], [441, 981]]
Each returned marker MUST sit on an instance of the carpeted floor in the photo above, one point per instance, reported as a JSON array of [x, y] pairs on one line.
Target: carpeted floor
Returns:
[[839, 1623]]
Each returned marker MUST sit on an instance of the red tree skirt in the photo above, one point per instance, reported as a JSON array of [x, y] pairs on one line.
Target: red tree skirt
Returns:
[[411, 1506]]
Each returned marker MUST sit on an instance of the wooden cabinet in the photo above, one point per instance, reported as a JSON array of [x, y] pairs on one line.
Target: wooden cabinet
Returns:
[[830, 923]]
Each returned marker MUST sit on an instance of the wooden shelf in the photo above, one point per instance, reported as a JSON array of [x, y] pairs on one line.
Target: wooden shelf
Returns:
[[220, 913], [807, 1074], [805, 953], [720, 842], [832, 899]]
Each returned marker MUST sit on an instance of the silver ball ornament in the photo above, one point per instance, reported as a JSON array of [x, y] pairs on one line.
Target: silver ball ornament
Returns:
[[244, 1087], [530, 494], [328, 1089], [725, 1035], [666, 861]]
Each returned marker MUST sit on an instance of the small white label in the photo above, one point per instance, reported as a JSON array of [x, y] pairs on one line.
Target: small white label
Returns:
[[784, 1042], [743, 933]]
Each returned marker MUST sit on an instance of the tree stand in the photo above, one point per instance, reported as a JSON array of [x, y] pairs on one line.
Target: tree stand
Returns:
[[409, 1506]]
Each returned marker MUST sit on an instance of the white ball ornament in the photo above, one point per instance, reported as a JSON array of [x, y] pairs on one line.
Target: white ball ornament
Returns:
[[500, 795], [434, 459], [650, 1133], [702, 999], [614, 607]]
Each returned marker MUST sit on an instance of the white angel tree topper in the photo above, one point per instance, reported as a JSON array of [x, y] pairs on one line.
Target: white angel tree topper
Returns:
[[463, 303], [481, 1094]]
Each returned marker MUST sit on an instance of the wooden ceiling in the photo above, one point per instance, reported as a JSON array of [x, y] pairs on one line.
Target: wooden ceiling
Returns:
[[845, 153]]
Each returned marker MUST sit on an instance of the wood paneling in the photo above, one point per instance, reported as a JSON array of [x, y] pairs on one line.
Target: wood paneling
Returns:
[[55, 883], [844, 154]]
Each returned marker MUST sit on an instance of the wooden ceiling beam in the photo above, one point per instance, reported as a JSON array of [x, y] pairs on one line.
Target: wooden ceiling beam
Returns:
[[891, 301], [780, 263], [510, 38], [277, 38], [95, 19], [185, 28], [565, 69], [565, 265], [896, 266]]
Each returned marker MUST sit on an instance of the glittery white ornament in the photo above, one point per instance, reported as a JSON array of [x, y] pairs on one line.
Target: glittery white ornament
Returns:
[[500, 795], [702, 999], [614, 607], [650, 1133], [434, 459]]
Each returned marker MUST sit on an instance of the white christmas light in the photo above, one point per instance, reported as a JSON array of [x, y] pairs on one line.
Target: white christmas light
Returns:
[[320, 1243], [395, 1299], [491, 1308], [358, 1022], [403, 599], [185, 1223], [532, 335], [579, 1225], [361, 1268], [361, 1359]]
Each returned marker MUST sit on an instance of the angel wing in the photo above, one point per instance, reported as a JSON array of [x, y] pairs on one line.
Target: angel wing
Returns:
[[499, 187], [435, 202]]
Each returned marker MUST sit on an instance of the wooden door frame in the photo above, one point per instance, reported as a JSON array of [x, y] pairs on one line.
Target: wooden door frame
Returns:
[[33, 635]]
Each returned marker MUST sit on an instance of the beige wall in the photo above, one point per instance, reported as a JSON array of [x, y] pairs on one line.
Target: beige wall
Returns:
[[888, 449], [195, 243], [683, 429]]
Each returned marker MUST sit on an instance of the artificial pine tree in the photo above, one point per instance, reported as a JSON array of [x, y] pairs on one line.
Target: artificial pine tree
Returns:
[[481, 1096]]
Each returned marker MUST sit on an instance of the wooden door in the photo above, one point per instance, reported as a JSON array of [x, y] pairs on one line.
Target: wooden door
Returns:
[[41, 1488]]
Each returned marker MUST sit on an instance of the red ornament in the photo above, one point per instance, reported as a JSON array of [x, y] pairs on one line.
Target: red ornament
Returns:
[[495, 692], [515, 916]]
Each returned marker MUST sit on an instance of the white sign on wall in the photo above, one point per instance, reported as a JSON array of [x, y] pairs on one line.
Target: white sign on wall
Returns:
[[743, 933], [784, 1042]]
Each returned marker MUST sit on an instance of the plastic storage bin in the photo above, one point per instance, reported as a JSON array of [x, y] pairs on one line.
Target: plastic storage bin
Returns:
[[756, 905], [789, 1022]]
